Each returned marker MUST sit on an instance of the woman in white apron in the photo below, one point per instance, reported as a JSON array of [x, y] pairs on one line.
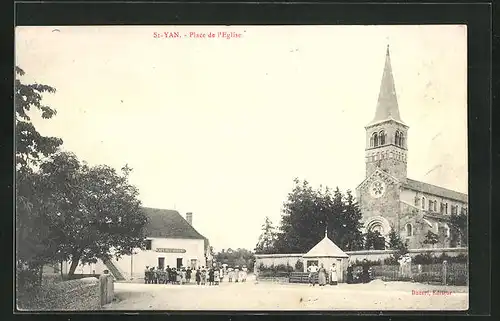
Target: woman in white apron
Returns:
[[333, 274]]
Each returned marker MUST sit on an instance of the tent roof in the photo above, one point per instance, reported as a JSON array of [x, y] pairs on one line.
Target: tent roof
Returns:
[[326, 248]]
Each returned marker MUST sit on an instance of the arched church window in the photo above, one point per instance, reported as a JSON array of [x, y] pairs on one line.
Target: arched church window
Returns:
[[401, 140], [409, 229], [375, 139], [371, 141], [396, 138], [382, 137]]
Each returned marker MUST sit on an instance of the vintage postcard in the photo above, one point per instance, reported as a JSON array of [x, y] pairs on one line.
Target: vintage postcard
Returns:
[[256, 168]]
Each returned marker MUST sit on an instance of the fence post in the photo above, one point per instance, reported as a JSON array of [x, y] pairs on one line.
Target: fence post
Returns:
[[445, 265]]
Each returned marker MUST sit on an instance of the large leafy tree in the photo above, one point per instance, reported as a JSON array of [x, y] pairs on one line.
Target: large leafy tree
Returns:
[[98, 214], [33, 242], [308, 212], [267, 239], [31, 146]]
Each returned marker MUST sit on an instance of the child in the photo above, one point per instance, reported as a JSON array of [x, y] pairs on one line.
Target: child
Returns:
[[230, 274]]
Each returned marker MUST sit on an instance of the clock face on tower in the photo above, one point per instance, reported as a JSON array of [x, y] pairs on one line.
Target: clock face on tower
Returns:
[[377, 189]]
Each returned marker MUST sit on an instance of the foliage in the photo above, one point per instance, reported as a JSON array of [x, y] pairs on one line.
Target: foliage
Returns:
[[237, 257], [396, 243], [374, 241], [96, 212], [459, 228], [299, 265], [428, 258], [267, 239], [275, 268], [30, 144], [431, 238], [368, 262], [33, 243], [307, 213]]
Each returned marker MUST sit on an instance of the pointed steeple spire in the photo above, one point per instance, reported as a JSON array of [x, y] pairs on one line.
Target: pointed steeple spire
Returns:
[[387, 105]]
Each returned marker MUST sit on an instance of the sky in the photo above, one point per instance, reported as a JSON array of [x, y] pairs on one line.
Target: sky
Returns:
[[221, 127]]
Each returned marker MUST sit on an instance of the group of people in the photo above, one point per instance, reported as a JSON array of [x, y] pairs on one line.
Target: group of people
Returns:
[[322, 275], [201, 275]]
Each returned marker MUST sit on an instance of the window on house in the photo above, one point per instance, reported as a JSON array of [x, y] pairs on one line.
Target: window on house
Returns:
[[423, 203], [445, 208], [417, 201], [430, 205], [441, 208], [148, 244], [408, 230]]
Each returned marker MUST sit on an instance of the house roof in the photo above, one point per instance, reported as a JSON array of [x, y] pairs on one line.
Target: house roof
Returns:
[[169, 224], [325, 248], [435, 190]]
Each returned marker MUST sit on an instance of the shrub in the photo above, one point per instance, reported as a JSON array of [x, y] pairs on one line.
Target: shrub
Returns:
[[370, 263], [299, 266]]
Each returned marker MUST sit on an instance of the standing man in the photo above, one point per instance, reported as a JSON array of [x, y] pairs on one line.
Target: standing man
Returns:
[[313, 269], [169, 274]]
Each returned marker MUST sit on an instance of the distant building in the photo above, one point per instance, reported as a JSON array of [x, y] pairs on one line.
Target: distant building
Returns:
[[387, 197], [171, 241]]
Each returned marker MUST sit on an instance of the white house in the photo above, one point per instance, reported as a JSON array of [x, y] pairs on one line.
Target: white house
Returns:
[[171, 241]]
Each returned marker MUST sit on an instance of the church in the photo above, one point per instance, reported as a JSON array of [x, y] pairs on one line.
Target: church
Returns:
[[388, 199]]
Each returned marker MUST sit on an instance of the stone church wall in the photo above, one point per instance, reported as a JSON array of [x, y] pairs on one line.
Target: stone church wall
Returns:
[[386, 206]]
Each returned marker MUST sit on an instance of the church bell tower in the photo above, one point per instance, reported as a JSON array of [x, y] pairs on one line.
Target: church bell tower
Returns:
[[387, 134]]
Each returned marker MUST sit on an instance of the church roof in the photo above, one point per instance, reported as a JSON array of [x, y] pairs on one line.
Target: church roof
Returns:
[[169, 224], [387, 104], [325, 248], [435, 190]]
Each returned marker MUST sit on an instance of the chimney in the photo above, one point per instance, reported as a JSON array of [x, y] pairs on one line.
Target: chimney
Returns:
[[189, 218]]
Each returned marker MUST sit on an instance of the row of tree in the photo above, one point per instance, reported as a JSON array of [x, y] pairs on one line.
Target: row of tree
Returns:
[[307, 212], [238, 257], [67, 210]]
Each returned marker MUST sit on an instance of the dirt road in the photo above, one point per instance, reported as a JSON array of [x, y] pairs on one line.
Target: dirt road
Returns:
[[376, 295]]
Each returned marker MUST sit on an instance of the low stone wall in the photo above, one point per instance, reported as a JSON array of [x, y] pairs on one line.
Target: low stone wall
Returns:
[[371, 255], [73, 295]]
